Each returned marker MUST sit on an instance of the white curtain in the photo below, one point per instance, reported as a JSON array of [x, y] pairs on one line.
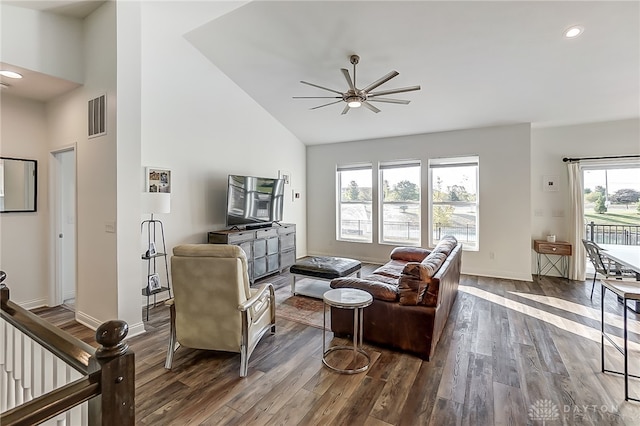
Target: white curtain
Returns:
[[576, 233]]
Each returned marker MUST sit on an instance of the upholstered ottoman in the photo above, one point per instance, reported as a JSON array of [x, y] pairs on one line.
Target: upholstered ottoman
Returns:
[[322, 268]]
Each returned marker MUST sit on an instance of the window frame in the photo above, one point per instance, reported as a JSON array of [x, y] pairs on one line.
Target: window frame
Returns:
[[386, 165], [339, 202], [450, 162]]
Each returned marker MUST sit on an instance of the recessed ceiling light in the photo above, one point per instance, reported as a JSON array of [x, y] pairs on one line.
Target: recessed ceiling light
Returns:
[[573, 32], [10, 74]]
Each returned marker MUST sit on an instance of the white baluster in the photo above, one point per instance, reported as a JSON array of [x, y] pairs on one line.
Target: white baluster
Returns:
[[36, 377], [3, 368], [11, 401], [18, 338], [27, 367], [48, 371]]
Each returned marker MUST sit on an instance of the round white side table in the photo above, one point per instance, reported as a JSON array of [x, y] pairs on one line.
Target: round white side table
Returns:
[[347, 298]]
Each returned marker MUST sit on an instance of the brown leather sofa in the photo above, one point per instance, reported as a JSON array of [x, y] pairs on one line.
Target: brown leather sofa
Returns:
[[412, 297]]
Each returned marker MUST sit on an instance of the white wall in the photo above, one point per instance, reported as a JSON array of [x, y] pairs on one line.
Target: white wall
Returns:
[[128, 162], [551, 210], [504, 210], [23, 242], [99, 263], [200, 125], [43, 42]]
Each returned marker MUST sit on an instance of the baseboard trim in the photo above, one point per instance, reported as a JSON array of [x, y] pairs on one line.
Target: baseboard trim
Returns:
[[33, 304], [87, 320], [135, 330]]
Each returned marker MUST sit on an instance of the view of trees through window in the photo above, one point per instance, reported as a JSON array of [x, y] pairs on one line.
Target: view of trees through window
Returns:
[[612, 205], [454, 200], [400, 203], [355, 201]]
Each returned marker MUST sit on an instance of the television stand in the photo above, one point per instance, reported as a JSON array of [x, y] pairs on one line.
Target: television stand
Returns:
[[268, 250], [250, 226]]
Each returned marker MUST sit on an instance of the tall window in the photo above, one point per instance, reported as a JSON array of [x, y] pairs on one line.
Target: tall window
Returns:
[[400, 203], [612, 202], [454, 200], [354, 203]]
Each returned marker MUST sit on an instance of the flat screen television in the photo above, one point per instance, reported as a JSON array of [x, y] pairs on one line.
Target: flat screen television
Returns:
[[254, 200]]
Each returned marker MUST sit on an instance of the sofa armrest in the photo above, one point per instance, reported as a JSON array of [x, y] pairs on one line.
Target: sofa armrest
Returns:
[[409, 254], [378, 290]]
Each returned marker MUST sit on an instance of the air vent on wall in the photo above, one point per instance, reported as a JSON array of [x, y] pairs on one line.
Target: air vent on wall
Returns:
[[97, 118]]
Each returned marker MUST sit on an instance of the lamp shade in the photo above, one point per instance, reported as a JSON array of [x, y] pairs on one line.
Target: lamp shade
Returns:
[[156, 202]]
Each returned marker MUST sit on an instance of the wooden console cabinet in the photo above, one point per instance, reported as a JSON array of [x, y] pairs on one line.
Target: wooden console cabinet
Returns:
[[269, 250]]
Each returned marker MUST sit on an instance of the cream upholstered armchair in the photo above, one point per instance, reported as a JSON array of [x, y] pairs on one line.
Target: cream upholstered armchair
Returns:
[[214, 307]]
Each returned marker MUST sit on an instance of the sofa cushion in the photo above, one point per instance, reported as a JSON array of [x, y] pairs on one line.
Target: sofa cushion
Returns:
[[373, 285], [391, 269], [416, 277], [409, 254], [446, 244]]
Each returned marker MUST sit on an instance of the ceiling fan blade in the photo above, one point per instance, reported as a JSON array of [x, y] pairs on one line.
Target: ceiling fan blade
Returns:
[[369, 106], [330, 103], [317, 97], [320, 87], [380, 81], [346, 109], [392, 91], [346, 74], [391, 101]]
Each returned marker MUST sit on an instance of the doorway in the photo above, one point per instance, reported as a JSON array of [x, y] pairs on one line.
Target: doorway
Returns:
[[64, 204]]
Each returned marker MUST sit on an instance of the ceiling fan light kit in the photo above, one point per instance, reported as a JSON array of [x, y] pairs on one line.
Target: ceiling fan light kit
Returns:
[[354, 97]]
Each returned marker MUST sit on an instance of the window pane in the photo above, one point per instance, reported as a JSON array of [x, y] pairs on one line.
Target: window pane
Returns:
[[457, 220], [355, 222], [612, 204], [401, 223], [400, 215], [454, 202], [355, 185], [355, 205]]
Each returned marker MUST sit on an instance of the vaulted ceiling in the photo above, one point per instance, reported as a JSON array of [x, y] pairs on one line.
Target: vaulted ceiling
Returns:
[[478, 63]]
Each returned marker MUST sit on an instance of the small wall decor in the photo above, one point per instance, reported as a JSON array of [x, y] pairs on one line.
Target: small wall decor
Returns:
[[154, 282], [158, 180], [550, 183], [284, 175]]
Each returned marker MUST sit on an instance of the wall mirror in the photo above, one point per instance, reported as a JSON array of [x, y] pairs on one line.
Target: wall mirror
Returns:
[[18, 185]]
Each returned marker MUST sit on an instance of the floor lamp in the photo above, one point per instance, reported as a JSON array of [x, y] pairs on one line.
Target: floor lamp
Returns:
[[155, 203]]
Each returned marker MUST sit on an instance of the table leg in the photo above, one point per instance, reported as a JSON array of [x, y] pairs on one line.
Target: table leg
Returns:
[[626, 353]]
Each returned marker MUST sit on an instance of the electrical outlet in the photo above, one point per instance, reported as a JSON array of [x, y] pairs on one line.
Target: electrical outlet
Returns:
[[492, 255]]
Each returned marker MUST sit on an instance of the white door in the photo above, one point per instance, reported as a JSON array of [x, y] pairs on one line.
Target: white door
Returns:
[[65, 220]]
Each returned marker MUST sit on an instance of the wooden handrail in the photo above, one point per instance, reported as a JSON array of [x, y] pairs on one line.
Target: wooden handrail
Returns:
[[53, 403], [71, 350], [109, 371]]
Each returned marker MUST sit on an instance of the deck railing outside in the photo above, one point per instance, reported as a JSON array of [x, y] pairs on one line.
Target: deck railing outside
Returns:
[[628, 235], [46, 373]]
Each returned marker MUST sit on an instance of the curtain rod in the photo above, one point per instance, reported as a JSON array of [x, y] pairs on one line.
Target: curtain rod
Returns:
[[571, 160]]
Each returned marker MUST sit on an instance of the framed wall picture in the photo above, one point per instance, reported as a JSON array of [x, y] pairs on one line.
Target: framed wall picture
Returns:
[[158, 180], [550, 183], [153, 283]]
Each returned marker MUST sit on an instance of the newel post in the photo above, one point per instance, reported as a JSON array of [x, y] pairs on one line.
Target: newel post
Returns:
[[116, 364]]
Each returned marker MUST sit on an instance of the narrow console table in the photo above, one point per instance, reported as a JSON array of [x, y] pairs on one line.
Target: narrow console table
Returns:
[[269, 250], [552, 256]]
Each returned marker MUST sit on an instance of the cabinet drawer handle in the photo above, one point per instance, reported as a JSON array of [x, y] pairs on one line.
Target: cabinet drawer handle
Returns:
[[553, 248]]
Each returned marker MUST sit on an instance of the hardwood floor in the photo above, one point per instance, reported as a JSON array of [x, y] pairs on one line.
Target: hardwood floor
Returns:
[[513, 352]]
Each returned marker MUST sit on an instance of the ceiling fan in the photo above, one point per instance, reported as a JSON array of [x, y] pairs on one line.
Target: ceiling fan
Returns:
[[355, 97]]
